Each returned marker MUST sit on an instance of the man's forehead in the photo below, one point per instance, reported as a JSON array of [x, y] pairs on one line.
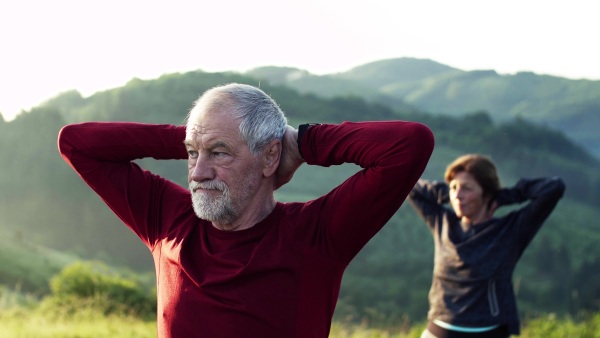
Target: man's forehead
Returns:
[[206, 126], [213, 131], [212, 121], [197, 128]]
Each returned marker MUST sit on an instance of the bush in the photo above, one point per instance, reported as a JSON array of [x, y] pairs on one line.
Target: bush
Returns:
[[96, 283]]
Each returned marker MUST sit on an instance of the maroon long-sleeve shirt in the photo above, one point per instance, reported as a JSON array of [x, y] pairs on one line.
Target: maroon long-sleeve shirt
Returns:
[[278, 279]]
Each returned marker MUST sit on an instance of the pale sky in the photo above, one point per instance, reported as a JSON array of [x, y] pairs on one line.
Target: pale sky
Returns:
[[51, 46]]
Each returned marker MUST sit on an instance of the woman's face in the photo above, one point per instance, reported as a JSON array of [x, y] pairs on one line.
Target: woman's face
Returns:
[[466, 197]]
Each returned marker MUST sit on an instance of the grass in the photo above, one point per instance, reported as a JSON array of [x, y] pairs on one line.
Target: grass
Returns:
[[28, 310], [83, 324], [23, 318], [339, 330], [552, 326]]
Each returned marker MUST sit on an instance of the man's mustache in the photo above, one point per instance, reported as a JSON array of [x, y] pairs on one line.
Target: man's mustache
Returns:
[[208, 185]]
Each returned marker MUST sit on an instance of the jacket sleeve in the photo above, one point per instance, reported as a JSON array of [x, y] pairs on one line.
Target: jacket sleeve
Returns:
[[393, 155], [103, 155], [428, 199], [542, 195]]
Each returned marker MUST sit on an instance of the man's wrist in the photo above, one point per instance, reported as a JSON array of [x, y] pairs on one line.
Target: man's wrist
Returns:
[[301, 131]]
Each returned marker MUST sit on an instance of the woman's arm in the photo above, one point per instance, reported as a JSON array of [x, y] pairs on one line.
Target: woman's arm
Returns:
[[428, 199], [542, 195]]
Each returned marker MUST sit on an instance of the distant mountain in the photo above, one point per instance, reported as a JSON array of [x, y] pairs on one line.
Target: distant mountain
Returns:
[[328, 86], [381, 74], [572, 106]]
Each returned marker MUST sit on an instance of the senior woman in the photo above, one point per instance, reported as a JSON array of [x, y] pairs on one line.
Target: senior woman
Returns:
[[475, 252]]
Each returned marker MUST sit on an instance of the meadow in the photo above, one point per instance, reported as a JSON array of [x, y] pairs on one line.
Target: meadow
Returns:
[[25, 317], [89, 299]]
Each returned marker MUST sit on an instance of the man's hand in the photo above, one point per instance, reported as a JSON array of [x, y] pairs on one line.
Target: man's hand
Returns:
[[290, 158]]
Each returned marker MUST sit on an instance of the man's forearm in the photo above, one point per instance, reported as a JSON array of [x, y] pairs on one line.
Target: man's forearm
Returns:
[[121, 141]]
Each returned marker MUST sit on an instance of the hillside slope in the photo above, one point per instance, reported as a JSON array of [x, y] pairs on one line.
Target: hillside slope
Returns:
[[572, 106]]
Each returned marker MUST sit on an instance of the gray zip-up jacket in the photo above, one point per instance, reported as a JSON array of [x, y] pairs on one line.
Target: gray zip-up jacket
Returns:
[[472, 274]]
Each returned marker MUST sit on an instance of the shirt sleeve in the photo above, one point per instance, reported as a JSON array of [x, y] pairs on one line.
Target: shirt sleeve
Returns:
[[393, 155], [428, 199], [542, 195], [103, 154]]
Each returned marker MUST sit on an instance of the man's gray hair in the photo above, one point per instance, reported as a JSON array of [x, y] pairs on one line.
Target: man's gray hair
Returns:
[[261, 119]]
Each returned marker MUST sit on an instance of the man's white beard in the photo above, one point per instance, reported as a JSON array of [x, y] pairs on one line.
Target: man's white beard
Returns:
[[220, 210]]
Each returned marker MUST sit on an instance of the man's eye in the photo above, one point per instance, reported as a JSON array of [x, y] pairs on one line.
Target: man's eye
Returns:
[[192, 154]]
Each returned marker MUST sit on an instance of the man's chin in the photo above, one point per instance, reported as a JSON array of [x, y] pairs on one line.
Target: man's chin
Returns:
[[207, 211], [203, 215]]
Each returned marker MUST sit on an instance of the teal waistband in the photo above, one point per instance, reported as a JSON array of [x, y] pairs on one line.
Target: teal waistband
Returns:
[[463, 328]]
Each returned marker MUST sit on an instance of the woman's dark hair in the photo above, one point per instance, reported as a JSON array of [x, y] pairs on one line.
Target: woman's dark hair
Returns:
[[481, 167]]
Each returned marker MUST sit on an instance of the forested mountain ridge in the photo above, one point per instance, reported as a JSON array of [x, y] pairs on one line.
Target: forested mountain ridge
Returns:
[[572, 106], [44, 200]]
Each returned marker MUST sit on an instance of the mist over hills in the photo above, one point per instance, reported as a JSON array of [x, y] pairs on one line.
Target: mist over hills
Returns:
[[572, 106], [42, 199]]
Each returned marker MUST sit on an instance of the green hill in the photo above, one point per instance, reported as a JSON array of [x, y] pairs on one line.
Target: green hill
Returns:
[[572, 106], [43, 199], [27, 266]]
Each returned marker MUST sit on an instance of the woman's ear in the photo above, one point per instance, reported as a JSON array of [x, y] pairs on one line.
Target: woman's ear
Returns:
[[491, 205], [271, 157]]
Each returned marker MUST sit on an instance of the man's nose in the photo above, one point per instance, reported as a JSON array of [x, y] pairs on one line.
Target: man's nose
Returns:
[[202, 170]]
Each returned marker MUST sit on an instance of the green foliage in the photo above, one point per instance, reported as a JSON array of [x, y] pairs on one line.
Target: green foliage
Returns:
[[363, 330], [553, 326], [10, 299], [86, 281], [26, 266]]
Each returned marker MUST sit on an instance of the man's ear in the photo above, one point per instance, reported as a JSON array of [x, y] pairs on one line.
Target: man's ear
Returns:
[[271, 157]]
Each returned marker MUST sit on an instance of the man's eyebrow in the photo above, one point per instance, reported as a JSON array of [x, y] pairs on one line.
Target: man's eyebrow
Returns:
[[219, 144]]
